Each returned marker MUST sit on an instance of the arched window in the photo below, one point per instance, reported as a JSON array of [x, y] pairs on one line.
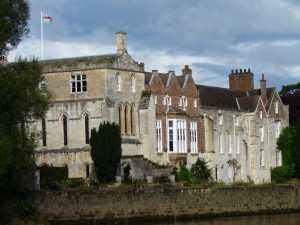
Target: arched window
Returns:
[[121, 119], [44, 132], [127, 120], [118, 80], [132, 119], [87, 129], [65, 129], [132, 84]]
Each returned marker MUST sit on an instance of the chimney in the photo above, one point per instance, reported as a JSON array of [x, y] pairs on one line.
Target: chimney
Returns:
[[241, 80], [121, 42], [263, 88], [186, 70]]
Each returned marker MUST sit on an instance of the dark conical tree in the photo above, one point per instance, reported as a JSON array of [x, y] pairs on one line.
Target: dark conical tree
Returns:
[[106, 150]]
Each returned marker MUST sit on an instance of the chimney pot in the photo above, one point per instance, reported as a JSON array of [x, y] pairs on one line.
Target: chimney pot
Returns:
[[249, 70], [241, 70], [236, 71], [232, 71], [245, 70]]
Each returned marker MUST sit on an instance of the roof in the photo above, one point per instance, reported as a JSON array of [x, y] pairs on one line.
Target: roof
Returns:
[[248, 103], [216, 97]]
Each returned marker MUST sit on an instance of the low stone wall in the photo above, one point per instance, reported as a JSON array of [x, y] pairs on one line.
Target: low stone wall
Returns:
[[104, 205]]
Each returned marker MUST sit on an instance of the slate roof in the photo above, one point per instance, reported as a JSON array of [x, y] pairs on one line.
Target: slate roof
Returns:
[[148, 76], [181, 80], [248, 103], [216, 97]]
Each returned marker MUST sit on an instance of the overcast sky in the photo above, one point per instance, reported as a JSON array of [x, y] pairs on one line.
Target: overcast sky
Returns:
[[213, 37]]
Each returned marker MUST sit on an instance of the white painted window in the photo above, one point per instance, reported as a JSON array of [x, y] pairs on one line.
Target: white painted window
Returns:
[[228, 143], [164, 100], [261, 133], [118, 79], [260, 114], [195, 103], [261, 157], [220, 119], [184, 101], [277, 126], [177, 136], [278, 158], [193, 136], [169, 101], [155, 99], [276, 107], [220, 145], [132, 84], [237, 144], [158, 136], [78, 83], [180, 102]]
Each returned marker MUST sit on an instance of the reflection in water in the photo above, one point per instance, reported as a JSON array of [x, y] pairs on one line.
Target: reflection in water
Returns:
[[281, 219]]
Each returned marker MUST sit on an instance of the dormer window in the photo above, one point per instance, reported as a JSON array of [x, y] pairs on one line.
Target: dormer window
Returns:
[[167, 100]]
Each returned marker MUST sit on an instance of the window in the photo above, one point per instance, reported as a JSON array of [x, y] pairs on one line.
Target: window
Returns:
[[180, 102], [121, 119], [184, 101], [78, 83], [195, 103], [220, 119], [228, 143], [44, 132], [65, 129], [237, 144], [87, 129], [276, 107], [261, 133], [260, 114], [165, 101], [169, 101], [158, 136], [193, 136], [261, 157], [278, 158], [42, 87], [155, 99], [132, 84], [237, 121], [132, 119], [118, 79], [177, 136], [277, 128], [220, 143], [87, 170]]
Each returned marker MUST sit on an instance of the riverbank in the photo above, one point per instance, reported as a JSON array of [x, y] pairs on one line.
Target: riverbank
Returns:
[[74, 206]]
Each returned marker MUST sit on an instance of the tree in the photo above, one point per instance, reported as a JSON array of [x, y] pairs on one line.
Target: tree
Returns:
[[235, 166], [200, 171], [14, 16], [106, 150]]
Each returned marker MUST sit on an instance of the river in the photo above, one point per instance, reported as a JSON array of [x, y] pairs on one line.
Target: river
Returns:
[[278, 219]]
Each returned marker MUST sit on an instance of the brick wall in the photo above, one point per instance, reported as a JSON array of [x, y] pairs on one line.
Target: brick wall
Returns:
[[241, 80]]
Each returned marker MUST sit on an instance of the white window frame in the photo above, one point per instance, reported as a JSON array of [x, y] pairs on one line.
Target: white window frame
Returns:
[[159, 136], [155, 99], [228, 143], [276, 107], [278, 158], [220, 143], [261, 133], [220, 119], [169, 100], [180, 102], [78, 83], [277, 126], [260, 114], [195, 103], [177, 135], [261, 157], [184, 101], [132, 84], [194, 137]]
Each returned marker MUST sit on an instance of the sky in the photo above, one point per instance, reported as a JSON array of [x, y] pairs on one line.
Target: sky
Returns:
[[213, 37]]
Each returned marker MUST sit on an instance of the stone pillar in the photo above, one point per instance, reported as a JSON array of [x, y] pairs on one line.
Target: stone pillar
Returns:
[[121, 42]]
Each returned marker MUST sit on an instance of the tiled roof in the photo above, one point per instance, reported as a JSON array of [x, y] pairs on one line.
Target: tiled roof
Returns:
[[181, 80], [174, 109], [164, 78], [217, 97], [147, 77], [248, 103]]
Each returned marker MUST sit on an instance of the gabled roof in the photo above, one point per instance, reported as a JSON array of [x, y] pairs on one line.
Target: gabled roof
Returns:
[[148, 76], [216, 97], [181, 80], [248, 103], [270, 93]]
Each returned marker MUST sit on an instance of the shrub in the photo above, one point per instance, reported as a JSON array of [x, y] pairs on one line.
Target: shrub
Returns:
[[161, 177], [184, 174], [175, 172], [282, 174], [93, 183], [74, 182], [54, 186], [200, 171]]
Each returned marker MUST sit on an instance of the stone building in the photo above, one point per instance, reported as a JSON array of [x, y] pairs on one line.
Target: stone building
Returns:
[[164, 118], [86, 92]]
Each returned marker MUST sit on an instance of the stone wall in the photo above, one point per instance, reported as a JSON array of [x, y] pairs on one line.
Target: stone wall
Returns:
[[103, 205]]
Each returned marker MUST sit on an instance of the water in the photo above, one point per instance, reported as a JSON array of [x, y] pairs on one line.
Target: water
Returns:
[[278, 219]]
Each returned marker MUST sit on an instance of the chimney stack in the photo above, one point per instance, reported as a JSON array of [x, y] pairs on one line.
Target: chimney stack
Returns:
[[263, 88], [241, 80], [186, 70], [121, 42]]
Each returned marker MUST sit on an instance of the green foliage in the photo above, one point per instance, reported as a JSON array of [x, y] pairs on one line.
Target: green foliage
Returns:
[[175, 172], [200, 171], [14, 16], [184, 174], [52, 174], [106, 150], [93, 183], [296, 150], [74, 182], [282, 174], [285, 143]]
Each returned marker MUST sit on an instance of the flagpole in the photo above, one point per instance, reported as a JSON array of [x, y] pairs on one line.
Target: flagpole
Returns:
[[42, 35]]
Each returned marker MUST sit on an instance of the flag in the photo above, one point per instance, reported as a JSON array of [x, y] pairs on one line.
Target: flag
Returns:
[[46, 18]]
